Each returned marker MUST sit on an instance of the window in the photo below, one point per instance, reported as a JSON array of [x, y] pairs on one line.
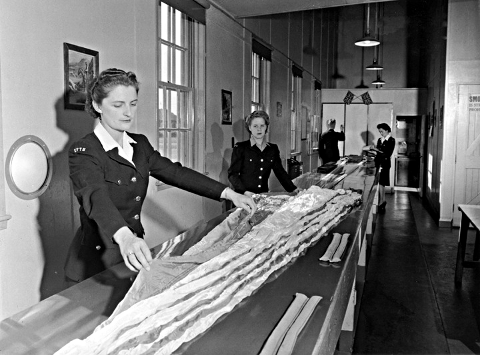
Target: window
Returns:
[[181, 44], [315, 122], [256, 87], [261, 63], [296, 95]]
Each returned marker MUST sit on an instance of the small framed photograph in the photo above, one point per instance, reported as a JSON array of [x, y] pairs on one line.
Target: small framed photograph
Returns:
[[80, 67], [226, 107]]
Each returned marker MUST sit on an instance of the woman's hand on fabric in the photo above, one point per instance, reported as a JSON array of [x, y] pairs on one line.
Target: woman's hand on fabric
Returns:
[[297, 191], [134, 250], [242, 201], [248, 193]]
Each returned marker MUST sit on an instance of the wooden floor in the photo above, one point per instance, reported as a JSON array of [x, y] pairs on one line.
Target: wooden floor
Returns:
[[410, 304]]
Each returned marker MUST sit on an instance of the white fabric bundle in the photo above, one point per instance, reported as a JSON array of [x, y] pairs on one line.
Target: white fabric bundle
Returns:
[[283, 338], [336, 248]]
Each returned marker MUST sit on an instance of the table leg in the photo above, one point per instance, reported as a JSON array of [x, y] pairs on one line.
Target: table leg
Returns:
[[462, 242]]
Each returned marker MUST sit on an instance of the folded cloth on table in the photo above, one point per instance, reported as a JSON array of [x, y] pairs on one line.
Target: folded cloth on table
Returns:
[[288, 343], [337, 257], [275, 339], [282, 339], [336, 248]]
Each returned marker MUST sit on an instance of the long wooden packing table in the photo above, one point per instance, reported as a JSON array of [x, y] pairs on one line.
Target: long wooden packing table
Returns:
[[75, 312]]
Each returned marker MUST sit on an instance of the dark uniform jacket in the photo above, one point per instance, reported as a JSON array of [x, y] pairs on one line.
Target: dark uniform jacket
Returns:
[[111, 192], [386, 147], [328, 145], [382, 159], [250, 168]]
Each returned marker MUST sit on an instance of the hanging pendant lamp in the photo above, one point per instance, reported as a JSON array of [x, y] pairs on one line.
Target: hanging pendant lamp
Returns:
[[375, 65], [367, 40], [362, 84], [378, 80]]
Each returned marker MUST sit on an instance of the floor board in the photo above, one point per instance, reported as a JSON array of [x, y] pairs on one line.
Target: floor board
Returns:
[[410, 304]]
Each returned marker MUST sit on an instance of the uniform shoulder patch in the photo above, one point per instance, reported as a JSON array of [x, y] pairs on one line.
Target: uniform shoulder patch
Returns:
[[79, 149]]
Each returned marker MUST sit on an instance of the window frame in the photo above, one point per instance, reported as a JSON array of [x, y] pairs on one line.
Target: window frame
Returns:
[[188, 85], [295, 118]]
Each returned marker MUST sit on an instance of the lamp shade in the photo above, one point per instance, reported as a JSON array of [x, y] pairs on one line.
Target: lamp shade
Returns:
[[378, 81], [374, 66], [367, 41]]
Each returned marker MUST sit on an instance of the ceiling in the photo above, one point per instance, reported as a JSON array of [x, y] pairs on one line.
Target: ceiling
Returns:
[[249, 8]]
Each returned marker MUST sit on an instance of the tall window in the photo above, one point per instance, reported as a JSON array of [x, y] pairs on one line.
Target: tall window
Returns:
[[178, 52], [315, 120], [296, 95], [256, 87], [261, 63]]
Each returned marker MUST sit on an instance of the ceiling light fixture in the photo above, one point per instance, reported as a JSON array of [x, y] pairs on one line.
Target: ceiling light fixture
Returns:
[[367, 40], [375, 65], [378, 80]]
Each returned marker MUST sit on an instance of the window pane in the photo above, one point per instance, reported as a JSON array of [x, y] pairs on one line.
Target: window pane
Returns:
[[255, 90], [161, 142], [183, 115], [161, 108], [179, 28], [173, 109], [164, 59], [183, 144], [172, 143], [164, 21], [179, 67]]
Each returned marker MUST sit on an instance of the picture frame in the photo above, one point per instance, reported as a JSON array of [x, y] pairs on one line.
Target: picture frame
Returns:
[[80, 67], [226, 107]]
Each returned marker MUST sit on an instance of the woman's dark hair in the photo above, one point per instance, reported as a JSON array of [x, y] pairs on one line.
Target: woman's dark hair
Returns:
[[100, 87], [385, 127], [255, 114]]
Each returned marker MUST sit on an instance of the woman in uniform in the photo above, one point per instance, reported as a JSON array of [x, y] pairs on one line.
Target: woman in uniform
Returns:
[[110, 169], [383, 151], [254, 159]]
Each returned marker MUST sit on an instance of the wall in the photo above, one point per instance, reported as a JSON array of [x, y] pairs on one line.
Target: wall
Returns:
[[435, 74], [34, 245], [290, 35], [462, 67]]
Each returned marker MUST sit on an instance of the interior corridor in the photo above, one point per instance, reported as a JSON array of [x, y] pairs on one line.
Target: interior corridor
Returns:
[[410, 304]]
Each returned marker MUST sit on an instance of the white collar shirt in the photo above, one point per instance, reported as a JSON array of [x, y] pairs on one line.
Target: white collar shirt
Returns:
[[386, 138], [108, 143]]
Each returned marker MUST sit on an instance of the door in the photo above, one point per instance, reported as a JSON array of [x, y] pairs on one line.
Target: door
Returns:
[[408, 157], [467, 170]]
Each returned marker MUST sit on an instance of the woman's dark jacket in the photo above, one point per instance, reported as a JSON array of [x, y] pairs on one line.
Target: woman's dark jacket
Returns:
[[111, 192], [386, 150], [250, 168]]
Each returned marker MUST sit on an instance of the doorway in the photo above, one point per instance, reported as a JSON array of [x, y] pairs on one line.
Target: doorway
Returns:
[[408, 155]]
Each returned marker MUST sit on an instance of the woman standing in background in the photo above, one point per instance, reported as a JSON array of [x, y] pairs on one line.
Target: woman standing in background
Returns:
[[383, 152], [254, 159]]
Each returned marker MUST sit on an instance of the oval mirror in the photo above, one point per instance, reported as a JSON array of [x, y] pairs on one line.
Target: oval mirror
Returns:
[[28, 167]]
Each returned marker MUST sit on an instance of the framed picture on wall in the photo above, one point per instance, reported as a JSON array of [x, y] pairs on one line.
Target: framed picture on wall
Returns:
[[80, 67], [226, 107]]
